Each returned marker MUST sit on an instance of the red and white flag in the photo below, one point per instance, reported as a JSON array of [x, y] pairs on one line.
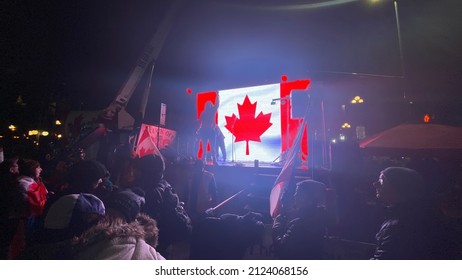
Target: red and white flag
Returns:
[[293, 159], [146, 145]]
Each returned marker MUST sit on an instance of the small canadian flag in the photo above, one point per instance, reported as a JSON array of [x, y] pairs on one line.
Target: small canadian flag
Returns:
[[146, 145]]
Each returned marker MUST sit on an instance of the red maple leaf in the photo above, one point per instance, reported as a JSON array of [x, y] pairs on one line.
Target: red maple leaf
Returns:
[[248, 127]]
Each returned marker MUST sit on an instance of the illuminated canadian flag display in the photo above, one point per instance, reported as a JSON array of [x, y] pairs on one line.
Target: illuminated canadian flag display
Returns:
[[257, 122]]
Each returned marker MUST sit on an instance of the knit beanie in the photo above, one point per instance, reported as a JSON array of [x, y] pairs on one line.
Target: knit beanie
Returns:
[[408, 183], [128, 202], [70, 211]]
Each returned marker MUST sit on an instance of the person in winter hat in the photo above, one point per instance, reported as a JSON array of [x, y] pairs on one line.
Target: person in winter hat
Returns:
[[411, 230], [72, 214], [299, 234], [82, 177], [123, 234], [399, 185], [162, 202], [66, 219], [127, 203]]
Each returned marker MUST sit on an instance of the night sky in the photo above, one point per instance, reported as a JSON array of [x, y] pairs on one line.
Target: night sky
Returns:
[[83, 51]]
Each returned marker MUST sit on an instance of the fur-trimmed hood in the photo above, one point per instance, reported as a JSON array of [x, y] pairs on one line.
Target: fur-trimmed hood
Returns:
[[114, 239]]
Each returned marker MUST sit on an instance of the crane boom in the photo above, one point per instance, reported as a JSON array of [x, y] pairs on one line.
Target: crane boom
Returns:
[[149, 54], [115, 113]]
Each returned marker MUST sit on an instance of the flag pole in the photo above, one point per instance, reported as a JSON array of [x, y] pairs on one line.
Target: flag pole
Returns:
[[228, 200], [285, 176]]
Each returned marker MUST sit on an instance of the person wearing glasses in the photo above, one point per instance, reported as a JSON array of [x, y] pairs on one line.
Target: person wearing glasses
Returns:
[[411, 229]]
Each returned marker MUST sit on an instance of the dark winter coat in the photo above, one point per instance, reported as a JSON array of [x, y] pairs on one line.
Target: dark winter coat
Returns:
[[300, 236], [409, 233]]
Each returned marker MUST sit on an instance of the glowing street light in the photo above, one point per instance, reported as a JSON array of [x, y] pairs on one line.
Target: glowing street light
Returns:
[[346, 125], [12, 127], [356, 100]]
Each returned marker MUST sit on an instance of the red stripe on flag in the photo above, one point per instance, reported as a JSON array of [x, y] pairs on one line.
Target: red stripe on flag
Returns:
[[146, 145], [293, 158]]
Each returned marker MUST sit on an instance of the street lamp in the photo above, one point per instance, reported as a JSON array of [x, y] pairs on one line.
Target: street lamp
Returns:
[[357, 99], [357, 116], [400, 44], [346, 125], [398, 29]]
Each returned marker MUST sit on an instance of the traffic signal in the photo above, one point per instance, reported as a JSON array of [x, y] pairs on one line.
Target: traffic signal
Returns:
[[426, 118]]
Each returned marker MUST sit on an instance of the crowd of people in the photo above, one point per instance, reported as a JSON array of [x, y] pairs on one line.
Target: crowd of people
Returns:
[[77, 212]]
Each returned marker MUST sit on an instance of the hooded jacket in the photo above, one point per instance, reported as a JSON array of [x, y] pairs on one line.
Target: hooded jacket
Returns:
[[115, 242], [119, 248]]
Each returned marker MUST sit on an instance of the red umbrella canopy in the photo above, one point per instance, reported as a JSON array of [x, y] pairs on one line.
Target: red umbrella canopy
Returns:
[[416, 140]]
